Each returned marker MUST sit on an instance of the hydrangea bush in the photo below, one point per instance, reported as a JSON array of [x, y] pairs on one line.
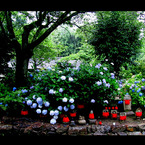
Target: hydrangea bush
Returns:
[[135, 87], [59, 89]]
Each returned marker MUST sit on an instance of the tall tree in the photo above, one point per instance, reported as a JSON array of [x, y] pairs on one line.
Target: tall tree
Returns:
[[40, 22], [116, 37]]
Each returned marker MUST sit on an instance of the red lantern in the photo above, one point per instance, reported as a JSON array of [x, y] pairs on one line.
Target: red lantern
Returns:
[[65, 119], [116, 108], [127, 102], [105, 114], [24, 112], [100, 122], [138, 114], [114, 115], [73, 114], [112, 108], [106, 107], [91, 116], [122, 117]]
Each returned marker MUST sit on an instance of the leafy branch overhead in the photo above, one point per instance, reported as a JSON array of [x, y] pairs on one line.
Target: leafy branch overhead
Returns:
[[34, 28]]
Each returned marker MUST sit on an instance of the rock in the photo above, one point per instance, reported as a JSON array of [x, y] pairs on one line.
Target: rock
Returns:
[[107, 128], [134, 133], [132, 128], [78, 130], [118, 128], [130, 113], [141, 127], [122, 133], [62, 129], [94, 128], [100, 129], [112, 134], [98, 133]]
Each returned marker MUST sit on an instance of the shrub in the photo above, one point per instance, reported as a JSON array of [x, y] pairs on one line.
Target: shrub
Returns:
[[135, 87]]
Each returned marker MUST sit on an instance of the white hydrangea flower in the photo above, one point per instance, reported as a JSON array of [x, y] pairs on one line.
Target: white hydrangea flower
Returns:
[[106, 101], [105, 68], [39, 100], [51, 113], [53, 121], [92, 100], [101, 73], [72, 106], [63, 77], [56, 112], [64, 99], [44, 112], [65, 108], [70, 79], [46, 104], [34, 97], [51, 91], [29, 102], [59, 108], [34, 105], [55, 117], [71, 100], [60, 90], [38, 111]]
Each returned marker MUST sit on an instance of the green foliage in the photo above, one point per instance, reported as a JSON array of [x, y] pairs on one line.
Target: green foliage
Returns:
[[135, 86], [117, 37], [79, 83]]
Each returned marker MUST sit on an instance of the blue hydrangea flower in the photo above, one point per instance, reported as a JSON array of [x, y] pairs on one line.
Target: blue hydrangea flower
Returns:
[[98, 65], [138, 90], [133, 90], [140, 94], [120, 102], [31, 75], [14, 88]]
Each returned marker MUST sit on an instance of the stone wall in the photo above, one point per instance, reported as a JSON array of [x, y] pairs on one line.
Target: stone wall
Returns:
[[46, 129]]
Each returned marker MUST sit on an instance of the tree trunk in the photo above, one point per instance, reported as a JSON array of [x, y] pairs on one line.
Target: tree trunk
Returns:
[[21, 70]]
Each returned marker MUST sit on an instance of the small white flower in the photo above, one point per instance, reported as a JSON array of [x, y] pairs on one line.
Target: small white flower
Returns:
[[34, 97], [72, 106], [71, 100], [92, 100], [99, 83], [64, 99], [70, 79], [44, 112], [51, 113], [29, 102], [98, 65], [56, 112], [104, 81], [39, 106], [55, 117], [105, 68], [108, 85], [51, 91], [38, 111], [112, 63], [65, 108], [34, 105], [59, 108], [46, 104], [39, 100], [60, 90], [101, 73], [53, 121], [106, 101], [63, 78], [106, 59]]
